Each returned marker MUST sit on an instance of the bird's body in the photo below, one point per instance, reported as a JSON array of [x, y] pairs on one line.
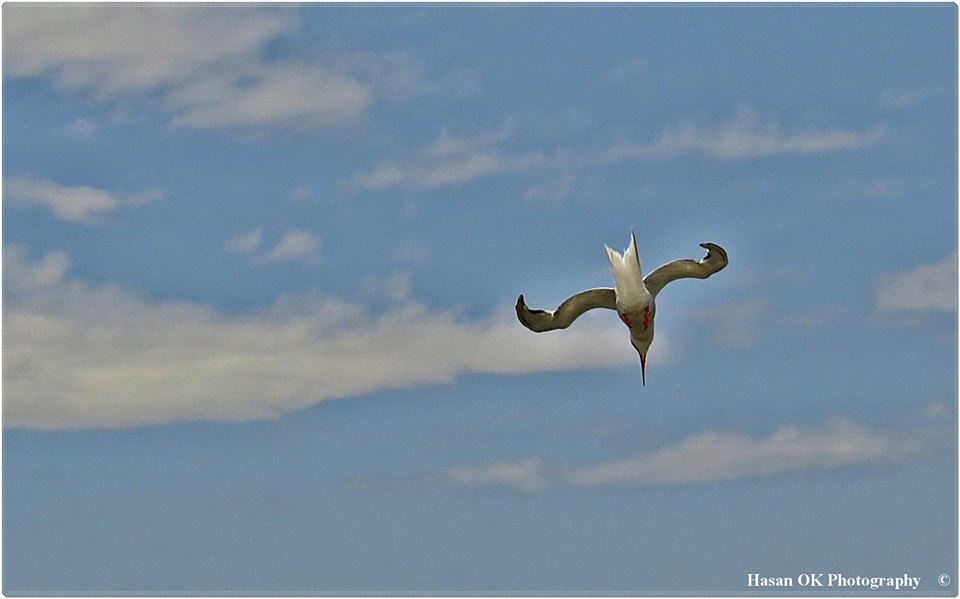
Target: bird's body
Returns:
[[635, 304], [633, 295]]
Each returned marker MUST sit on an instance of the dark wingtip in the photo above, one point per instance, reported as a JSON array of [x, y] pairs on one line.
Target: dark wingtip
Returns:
[[712, 247], [521, 308]]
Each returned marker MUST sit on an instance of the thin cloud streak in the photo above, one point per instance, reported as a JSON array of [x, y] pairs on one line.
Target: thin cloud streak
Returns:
[[451, 160], [705, 457], [526, 475], [748, 135], [456, 160], [295, 245]]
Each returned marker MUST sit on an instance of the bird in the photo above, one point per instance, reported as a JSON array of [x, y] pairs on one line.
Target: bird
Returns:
[[633, 295]]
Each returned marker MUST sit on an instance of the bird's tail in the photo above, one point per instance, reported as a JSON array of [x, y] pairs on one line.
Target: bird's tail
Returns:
[[627, 274]]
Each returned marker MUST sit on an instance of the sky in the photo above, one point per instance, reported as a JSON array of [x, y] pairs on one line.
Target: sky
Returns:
[[260, 265]]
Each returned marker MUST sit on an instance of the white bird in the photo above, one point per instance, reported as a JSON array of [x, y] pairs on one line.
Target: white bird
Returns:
[[633, 296]]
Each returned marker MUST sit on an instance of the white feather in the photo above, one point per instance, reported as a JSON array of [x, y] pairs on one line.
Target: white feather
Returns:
[[628, 277]]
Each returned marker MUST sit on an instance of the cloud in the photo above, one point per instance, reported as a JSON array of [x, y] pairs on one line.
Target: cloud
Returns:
[[451, 160], [923, 289], [704, 457], [748, 135], [22, 277], [714, 456], [427, 176], [245, 243], [132, 49], [294, 245], [82, 128], [290, 96], [78, 355], [79, 204], [397, 287], [457, 159], [202, 66], [907, 98], [875, 188], [398, 75], [526, 475], [556, 189]]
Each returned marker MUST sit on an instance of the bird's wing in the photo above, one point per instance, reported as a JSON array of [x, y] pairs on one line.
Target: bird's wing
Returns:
[[715, 260], [543, 320]]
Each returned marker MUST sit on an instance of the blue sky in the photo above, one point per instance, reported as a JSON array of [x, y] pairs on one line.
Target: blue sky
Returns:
[[260, 265]]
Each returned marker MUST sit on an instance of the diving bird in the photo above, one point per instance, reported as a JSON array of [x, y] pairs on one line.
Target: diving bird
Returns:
[[633, 295]]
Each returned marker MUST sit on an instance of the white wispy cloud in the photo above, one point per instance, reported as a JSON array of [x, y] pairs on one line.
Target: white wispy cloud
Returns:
[[22, 277], [704, 457], [451, 160], [245, 243], [926, 288], [457, 159], [295, 244], [291, 96], [73, 203], [555, 189], [907, 98], [526, 474], [78, 355], [91, 46], [82, 128], [438, 174], [749, 134], [875, 188], [714, 456], [399, 75], [201, 66]]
